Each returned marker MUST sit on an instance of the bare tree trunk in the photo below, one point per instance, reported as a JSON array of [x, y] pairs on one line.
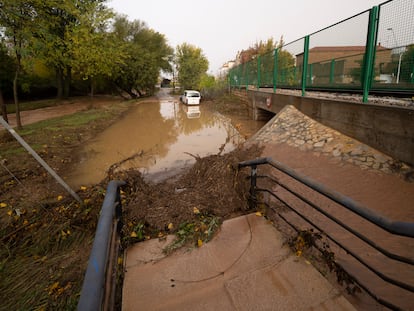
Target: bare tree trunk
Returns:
[[92, 86], [3, 107], [67, 82], [18, 44], [16, 99], [59, 83]]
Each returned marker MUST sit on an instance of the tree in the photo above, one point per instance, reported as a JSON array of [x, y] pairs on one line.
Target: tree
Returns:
[[191, 65], [67, 33], [17, 18], [259, 48], [6, 72], [285, 64], [95, 51], [212, 87], [407, 65], [147, 53]]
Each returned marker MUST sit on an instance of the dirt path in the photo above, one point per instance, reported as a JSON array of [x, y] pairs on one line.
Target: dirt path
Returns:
[[65, 108]]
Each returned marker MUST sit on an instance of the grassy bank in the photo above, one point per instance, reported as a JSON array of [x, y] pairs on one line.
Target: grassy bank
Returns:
[[32, 105], [45, 235]]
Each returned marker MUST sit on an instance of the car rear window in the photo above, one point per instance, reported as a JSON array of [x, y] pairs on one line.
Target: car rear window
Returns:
[[193, 95]]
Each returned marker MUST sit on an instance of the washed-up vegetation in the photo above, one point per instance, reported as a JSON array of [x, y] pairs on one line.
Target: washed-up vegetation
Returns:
[[46, 236]]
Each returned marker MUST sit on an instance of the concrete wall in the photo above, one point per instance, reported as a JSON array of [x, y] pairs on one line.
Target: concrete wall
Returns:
[[388, 129]]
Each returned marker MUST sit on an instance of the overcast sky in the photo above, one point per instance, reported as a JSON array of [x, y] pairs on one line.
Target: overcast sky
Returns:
[[221, 28]]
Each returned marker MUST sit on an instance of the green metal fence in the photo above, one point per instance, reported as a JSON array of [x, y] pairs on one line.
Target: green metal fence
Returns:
[[372, 51]]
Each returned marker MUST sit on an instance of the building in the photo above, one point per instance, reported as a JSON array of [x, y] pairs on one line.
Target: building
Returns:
[[224, 69], [343, 64]]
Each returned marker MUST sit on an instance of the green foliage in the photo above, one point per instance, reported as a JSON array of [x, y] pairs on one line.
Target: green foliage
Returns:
[[247, 72], [147, 52], [407, 65], [200, 231], [95, 51], [63, 43], [211, 87], [73, 40], [6, 69], [191, 65], [286, 66], [207, 81], [259, 48]]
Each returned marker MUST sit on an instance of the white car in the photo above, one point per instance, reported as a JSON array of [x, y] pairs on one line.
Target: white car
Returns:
[[191, 97]]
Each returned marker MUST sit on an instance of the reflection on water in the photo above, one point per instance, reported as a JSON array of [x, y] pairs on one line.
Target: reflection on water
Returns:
[[158, 138], [192, 111]]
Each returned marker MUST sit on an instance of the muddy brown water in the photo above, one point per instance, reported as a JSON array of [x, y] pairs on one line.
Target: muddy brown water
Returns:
[[160, 138]]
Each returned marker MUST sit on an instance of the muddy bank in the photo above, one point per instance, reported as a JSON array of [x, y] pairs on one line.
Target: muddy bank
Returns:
[[47, 237], [161, 138]]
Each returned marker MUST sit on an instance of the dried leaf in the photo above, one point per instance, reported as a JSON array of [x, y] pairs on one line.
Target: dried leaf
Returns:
[[196, 210], [2, 205], [53, 287], [59, 198], [83, 188], [259, 214], [199, 243], [133, 234], [170, 226]]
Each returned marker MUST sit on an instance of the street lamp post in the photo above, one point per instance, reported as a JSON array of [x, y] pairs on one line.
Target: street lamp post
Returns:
[[400, 55], [399, 68]]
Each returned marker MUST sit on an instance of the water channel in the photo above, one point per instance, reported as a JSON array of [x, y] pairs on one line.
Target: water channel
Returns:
[[159, 137]]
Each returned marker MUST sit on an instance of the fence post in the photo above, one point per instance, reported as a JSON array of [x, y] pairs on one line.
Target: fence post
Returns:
[[275, 55], [253, 185], [331, 72], [259, 58], [369, 63], [412, 74], [305, 64]]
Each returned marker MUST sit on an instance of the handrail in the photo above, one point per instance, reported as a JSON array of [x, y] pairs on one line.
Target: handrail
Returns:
[[342, 224], [395, 227], [93, 289]]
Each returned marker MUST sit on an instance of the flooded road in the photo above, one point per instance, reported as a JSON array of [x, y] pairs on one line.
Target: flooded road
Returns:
[[158, 137]]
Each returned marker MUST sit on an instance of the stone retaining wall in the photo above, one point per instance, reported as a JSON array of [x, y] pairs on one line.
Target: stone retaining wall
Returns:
[[389, 129]]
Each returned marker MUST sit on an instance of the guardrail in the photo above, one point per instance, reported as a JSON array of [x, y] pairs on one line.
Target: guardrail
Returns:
[[370, 51], [98, 290], [405, 229]]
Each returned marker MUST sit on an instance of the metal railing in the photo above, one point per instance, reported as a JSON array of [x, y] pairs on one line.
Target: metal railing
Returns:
[[370, 51], [98, 290], [399, 228]]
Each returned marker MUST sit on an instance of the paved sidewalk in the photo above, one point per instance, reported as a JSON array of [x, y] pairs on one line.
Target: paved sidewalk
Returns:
[[340, 162], [245, 267], [295, 129], [358, 171]]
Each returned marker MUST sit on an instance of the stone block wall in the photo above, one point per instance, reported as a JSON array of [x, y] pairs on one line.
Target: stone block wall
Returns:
[[390, 129]]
